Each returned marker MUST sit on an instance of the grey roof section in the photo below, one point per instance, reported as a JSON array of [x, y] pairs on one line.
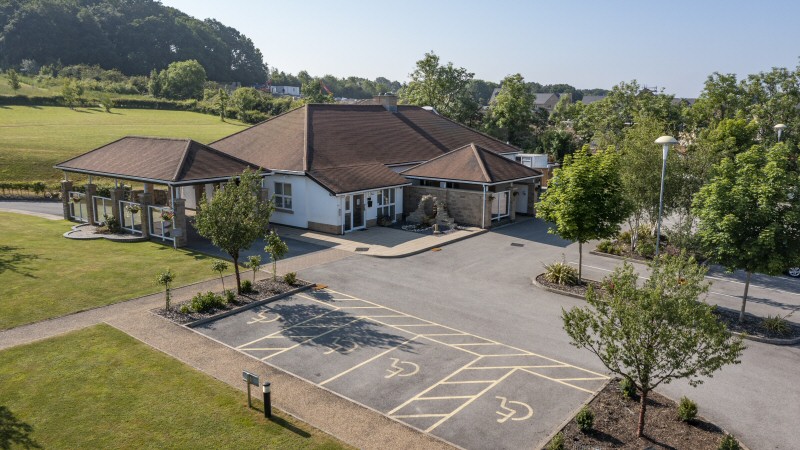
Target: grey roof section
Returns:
[[543, 97], [587, 99]]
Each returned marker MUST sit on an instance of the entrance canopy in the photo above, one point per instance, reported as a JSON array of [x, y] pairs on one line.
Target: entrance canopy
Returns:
[[172, 162]]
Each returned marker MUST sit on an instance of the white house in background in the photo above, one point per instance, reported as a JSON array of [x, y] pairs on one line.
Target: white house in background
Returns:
[[294, 91]]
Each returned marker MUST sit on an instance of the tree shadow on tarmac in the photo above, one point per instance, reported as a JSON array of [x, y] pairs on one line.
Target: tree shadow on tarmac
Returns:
[[301, 322], [533, 230]]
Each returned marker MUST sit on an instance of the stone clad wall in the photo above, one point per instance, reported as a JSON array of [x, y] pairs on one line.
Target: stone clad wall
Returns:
[[464, 206]]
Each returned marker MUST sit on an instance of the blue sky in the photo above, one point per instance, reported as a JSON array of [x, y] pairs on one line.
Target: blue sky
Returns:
[[674, 45]]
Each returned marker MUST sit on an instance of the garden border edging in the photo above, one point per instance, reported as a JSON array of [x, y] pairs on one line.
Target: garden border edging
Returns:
[[239, 309], [764, 340], [556, 291]]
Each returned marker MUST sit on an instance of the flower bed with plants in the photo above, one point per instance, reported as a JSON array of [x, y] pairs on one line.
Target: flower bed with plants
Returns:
[[208, 304], [771, 327], [562, 277], [645, 247], [610, 419]]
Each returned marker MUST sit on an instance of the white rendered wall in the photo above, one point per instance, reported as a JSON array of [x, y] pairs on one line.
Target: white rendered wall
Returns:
[[322, 206], [297, 217]]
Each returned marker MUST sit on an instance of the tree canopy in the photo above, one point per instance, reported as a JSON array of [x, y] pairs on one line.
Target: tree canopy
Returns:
[[655, 331], [134, 37], [584, 199], [446, 88], [511, 114]]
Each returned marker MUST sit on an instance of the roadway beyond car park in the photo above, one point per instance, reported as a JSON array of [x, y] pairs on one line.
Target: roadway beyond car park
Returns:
[[469, 390]]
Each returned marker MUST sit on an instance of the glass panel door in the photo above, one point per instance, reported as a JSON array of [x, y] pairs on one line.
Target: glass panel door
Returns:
[[348, 213], [358, 211]]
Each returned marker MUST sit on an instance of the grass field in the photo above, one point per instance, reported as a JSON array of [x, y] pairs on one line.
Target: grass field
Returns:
[[44, 275], [100, 388], [33, 139]]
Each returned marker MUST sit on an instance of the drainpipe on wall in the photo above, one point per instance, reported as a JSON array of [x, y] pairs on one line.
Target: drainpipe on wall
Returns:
[[483, 208]]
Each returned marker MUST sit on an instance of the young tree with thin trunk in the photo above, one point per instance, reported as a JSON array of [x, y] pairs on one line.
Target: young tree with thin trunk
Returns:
[[165, 279], [13, 80], [749, 214], [235, 217], [277, 249], [654, 332], [584, 199], [220, 267]]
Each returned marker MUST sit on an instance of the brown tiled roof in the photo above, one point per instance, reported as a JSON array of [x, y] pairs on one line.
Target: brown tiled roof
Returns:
[[473, 164], [319, 137], [171, 161], [340, 180]]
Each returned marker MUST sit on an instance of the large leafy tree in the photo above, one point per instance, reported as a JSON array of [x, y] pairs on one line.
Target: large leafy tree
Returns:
[[654, 331], [511, 114], [235, 217], [184, 79], [446, 88], [749, 214], [584, 199]]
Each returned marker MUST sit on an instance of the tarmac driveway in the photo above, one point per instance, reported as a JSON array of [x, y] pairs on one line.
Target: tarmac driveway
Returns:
[[469, 390]]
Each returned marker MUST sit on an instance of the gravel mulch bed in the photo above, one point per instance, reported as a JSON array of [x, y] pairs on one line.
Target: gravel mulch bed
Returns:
[[753, 325], [579, 289], [616, 419], [261, 289]]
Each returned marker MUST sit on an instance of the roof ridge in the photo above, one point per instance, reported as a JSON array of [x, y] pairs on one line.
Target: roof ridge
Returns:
[[306, 120], [374, 163], [90, 151], [259, 123], [519, 150], [479, 157], [184, 156]]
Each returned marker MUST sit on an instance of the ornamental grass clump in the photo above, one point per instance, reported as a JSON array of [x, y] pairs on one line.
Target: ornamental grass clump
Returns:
[[560, 272]]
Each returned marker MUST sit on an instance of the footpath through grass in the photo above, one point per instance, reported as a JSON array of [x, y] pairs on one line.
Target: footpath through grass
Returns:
[[44, 275], [100, 388], [34, 138]]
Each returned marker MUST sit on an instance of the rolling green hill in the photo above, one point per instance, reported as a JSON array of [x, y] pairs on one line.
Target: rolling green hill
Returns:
[[33, 139]]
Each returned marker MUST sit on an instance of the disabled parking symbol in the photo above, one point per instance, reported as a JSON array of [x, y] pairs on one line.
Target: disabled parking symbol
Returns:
[[513, 413], [401, 368], [263, 317], [343, 346]]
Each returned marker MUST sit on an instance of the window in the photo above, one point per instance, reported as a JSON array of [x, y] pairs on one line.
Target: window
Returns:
[[500, 205], [386, 204], [283, 195]]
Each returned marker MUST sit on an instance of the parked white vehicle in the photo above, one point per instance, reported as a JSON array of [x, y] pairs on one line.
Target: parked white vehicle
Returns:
[[794, 272]]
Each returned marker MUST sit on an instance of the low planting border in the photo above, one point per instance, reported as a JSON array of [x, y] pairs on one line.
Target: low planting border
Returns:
[[239, 309]]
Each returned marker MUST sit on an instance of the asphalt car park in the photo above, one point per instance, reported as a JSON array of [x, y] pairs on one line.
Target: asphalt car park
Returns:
[[466, 389]]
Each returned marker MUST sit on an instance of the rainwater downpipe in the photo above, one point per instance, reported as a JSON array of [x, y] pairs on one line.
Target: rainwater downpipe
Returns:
[[483, 210]]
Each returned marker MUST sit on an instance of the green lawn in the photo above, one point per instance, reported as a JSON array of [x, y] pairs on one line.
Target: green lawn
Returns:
[[100, 388], [44, 275], [33, 139]]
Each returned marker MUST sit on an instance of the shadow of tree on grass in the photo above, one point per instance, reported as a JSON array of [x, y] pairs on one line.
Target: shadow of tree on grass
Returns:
[[15, 431], [13, 260]]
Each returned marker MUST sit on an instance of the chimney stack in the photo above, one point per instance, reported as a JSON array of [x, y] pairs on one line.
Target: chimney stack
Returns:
[[388, 100]]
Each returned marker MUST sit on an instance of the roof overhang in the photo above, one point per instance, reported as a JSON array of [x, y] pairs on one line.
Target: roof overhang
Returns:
[[264, 172], [452, 180]]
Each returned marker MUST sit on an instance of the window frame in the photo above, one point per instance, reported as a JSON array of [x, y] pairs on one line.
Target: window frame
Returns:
[[280, 197]]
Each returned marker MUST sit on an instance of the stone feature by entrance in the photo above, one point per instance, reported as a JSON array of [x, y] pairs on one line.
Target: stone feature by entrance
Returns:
[[430, 210]]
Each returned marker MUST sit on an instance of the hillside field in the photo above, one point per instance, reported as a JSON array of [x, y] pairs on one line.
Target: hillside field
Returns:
[[34, 138]]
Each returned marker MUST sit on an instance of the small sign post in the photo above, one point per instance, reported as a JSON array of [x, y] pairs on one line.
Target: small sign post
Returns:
[[249, 379], [267, 399]]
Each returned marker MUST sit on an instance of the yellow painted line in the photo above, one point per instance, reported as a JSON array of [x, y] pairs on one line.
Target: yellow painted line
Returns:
[[581, 379], [445, 398], [311, 338], [411, 416], [431, 387], [287, 328], [526, 352], [265, 348], [517, 367], [367, 361], [477, 343], [558, 381], [417, 325], [478, 395], [511, 354], [467, 382], [380, 317], [361, 307]]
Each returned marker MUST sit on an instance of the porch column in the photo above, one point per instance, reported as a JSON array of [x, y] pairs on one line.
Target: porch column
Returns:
[[146, 199], [91, 190], [487, 210], [66, 186], [179, 231], [116, 196], [512, 203], [199, 189]]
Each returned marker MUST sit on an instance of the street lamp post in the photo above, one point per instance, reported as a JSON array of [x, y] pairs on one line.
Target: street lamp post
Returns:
[[779, 128], [665, 141]]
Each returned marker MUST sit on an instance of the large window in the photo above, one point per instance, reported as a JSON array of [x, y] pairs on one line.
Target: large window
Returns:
[[386, 204], [500, 205], [283, 195]]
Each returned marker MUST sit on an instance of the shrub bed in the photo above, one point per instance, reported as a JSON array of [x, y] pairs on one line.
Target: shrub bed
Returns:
[[615, 419]]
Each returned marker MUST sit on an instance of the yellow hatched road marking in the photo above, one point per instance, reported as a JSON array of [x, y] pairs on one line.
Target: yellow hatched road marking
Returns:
[[518, 367], [526, 352], [368, 361], [477, 343], [445, 398], [467, 403], [558, 381], [287, 328], [431, 387], [311, 338], [266, 348], [411, 416]]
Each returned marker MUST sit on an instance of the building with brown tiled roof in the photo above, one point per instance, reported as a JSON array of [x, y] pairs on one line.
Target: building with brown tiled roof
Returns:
[[336, 168]]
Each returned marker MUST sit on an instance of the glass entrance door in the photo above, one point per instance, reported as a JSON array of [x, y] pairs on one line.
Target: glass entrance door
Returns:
[[358, 211]]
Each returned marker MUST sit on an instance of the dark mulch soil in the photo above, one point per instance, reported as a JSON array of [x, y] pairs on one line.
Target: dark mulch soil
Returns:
[[261, 289], [666, 248], [579, 289], [753, 325], [615, 421]]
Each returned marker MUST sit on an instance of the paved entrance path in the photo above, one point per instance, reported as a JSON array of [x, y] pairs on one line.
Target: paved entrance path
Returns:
[[354, 424]]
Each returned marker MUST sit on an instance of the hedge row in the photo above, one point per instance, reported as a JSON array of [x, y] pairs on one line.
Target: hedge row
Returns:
[[28, 189], [130, 103]]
